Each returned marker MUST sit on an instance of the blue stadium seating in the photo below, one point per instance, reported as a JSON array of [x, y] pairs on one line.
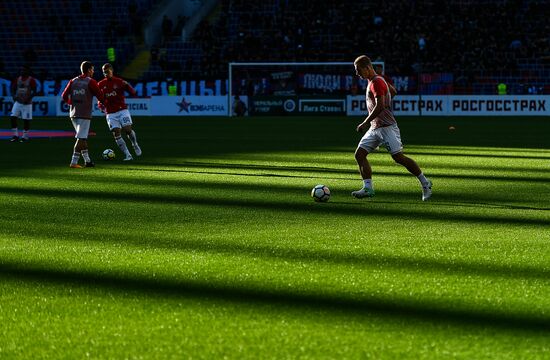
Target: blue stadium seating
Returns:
[[54, 37]]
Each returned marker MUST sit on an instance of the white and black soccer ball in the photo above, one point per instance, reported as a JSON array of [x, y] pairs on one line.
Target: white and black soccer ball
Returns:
[[320, 193], [108, 154]]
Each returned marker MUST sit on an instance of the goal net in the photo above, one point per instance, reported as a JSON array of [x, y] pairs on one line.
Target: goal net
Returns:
[[283, 88]]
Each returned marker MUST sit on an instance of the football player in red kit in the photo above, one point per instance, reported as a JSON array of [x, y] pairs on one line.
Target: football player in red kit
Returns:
[[22, 89], [79, 95], [382, 129], [118, 116]]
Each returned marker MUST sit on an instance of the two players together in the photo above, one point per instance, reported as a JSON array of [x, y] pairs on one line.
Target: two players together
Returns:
[[109, 92]]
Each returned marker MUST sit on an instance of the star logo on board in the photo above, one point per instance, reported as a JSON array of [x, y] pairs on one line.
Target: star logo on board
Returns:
[[184, 105]]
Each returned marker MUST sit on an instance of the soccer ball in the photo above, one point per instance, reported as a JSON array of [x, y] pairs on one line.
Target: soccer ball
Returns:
[[108, 154], [320, 193]]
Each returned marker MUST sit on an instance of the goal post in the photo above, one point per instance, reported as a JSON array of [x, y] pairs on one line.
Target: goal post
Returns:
[[293, 79]]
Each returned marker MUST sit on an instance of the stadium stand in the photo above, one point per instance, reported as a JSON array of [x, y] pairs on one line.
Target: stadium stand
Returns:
[[472, 45], [55, 36], [467, 46]]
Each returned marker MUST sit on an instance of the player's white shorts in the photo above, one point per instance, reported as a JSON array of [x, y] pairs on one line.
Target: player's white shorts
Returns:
[[388, 136], [22, 111], [82, 127], [119, 119]]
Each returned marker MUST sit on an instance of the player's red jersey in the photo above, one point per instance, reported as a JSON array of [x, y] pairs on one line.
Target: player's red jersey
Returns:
[[378, 87], [23, 89], [388, 79], [113, 89]]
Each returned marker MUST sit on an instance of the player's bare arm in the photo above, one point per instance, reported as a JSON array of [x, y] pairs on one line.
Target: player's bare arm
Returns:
[[375, 112], [66, 93], [130, 89]]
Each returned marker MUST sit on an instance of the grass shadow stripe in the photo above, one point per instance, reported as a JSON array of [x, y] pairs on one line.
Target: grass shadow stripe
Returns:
[[442, 267], [390, 306], [426, 212], [353, 175]]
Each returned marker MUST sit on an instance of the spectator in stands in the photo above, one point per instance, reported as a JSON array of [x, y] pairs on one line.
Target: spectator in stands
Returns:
[[29, 56], [188, 68], [3, 73], [166, 28], [86, 7], [154, 55], [502, 89], [111, 30], [23, 90], [515, 44], [180, 24], [163, 61], [136, 22]]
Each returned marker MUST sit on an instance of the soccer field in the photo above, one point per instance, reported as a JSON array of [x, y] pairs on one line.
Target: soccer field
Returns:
[[210, 246]]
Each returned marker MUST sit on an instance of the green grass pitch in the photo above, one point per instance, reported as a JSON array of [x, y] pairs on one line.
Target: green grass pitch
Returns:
[[210, 246]]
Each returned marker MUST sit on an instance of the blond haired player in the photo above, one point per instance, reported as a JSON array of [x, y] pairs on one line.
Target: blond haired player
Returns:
[[382, 130]]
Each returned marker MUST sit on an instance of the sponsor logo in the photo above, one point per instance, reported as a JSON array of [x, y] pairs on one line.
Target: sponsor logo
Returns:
[[5, 106], [322, 106], [460, 105], [415, 105], [198, 108], [326, 82], [403, 105], [79, 92], [39, 107], [112, 93], [138, 106], [184, 105], [289, 105], [492, 105], [266, 106]]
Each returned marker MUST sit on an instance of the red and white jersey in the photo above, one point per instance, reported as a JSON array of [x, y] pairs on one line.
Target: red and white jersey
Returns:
[[388, 79], [378, 87], [79, 95], [23, 89], [113, 89]]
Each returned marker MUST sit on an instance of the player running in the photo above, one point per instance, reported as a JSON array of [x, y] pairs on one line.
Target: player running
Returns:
[[23, 90], [118, 116], [79, 95], [383, 131]]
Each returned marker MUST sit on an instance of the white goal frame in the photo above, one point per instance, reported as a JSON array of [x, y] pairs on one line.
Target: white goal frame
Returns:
[[258, 64]]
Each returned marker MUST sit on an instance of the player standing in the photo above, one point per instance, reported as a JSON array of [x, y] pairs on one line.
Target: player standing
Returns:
[[383, 131], [79, 95], [118, 116], [23, 90]]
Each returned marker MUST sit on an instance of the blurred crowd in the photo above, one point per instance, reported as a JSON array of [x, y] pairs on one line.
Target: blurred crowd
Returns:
[[459, 37], [432, 36]]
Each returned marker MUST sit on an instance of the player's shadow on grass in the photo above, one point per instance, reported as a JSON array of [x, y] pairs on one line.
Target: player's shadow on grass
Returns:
[[394, 306]]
